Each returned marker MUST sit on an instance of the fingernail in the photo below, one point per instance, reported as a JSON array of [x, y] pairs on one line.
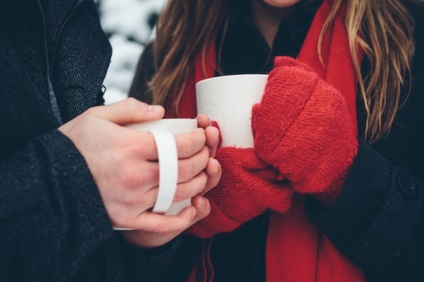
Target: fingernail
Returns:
[[154, 108], [203, 203]]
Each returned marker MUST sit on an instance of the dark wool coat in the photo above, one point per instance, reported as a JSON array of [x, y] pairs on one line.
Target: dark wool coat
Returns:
[[378, 221], [53, 225]]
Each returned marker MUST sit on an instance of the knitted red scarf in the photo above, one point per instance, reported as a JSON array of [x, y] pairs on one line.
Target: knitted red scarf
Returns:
[[296, 249]]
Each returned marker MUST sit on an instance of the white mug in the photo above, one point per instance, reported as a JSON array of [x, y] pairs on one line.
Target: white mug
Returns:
[[228, 100], [163, 132]]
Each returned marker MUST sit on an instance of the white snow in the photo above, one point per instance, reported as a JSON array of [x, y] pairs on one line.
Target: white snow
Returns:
[[127, 23]]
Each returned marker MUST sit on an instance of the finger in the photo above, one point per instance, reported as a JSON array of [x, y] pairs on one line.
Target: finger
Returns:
[[142, 172], [203, 121], [191, 188], [212, 139], [202, 206], [213, 171], [190, 167], [145, 143], [189, 144], [162, 224], [128, 111]]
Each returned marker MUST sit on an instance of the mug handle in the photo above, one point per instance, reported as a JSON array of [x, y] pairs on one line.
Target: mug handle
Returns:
[[168, 170]]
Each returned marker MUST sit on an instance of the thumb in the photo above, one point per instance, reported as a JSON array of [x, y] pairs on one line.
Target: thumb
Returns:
[[129, 111]]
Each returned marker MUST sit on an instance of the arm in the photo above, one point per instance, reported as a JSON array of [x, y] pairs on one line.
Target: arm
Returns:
[[49, 206], [61, 223]]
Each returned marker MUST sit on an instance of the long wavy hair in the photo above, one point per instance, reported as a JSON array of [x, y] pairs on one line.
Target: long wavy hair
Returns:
[[383, 29]]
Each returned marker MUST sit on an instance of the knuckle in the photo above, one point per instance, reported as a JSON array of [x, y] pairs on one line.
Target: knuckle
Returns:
[[130, 101], [180, 193], [195, 141], [131, 104], [185, 148], [133, 147], [185, 171], [133, 179], [136, 146]]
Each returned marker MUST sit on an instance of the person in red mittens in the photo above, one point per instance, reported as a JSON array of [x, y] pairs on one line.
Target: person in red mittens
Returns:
[[333, 188]]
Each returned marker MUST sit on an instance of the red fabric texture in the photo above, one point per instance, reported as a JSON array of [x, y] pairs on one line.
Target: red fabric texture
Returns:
[[296, 250], [247, 188], [303, 128]]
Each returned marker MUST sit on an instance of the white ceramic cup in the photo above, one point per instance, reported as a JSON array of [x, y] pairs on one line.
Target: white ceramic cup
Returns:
[[163, 131], [229, 100]]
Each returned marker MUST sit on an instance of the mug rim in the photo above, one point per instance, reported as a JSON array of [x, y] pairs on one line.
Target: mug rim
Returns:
[[224, 77]]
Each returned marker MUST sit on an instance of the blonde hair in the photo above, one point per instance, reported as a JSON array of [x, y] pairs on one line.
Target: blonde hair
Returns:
[[381, 28], [184, 29]]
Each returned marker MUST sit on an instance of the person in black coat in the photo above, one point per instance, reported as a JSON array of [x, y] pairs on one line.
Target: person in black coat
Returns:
[[68, 174], [378, 219]]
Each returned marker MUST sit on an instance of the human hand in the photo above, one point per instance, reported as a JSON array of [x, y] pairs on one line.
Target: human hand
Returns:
[[248, 187], [160, 229], [303, 128], [164, 228], [124, 165]]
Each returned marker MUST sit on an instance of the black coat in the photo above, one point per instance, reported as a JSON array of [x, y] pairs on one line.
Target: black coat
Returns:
[[53, 225], [378, 221]]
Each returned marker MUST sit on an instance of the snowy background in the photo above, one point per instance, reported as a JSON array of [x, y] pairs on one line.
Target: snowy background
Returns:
[[129, 25]]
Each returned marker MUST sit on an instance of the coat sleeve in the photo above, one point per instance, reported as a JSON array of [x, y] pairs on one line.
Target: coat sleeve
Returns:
[[51, 214]]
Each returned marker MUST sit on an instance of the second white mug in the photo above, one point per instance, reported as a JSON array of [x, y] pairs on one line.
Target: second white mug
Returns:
[[228, 100]]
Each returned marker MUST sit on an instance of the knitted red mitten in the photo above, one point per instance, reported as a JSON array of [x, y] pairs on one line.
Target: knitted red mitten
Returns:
[[303, 128], [247, 188]]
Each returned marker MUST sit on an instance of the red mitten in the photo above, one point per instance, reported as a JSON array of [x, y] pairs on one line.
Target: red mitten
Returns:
[[303, 128], [248, 187]]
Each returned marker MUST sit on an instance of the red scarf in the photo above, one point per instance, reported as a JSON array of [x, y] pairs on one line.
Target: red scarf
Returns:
[[296, 249]]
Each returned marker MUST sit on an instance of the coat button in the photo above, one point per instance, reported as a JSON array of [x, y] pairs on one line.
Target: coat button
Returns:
[[407, 186]]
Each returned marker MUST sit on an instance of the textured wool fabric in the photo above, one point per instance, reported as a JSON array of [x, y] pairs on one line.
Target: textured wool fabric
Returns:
[[302, 127], [248, 187]]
